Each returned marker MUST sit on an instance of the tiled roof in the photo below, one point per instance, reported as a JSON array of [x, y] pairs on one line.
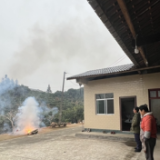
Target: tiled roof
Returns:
[[105, 71]]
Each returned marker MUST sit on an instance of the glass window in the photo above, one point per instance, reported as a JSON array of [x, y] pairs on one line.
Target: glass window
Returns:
[[158, 93], [105, 103], [100, 107], [153, 94], [99, 96], [110, 108], [109, 95]]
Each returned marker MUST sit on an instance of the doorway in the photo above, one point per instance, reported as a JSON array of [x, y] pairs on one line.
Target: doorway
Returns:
[[126, 112], [154, 102]]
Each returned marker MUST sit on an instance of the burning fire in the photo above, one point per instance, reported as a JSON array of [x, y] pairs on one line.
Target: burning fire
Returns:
[[28, 116], [29, 130]]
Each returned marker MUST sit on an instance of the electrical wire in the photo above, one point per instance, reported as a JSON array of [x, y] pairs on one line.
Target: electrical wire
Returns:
[[118, 61]]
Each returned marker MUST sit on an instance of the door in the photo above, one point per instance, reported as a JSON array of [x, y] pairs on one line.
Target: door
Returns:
[[126, 112], [154, 101]]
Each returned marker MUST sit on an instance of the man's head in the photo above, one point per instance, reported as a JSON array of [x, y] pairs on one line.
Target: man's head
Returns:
[[143, 109], [135, 110]]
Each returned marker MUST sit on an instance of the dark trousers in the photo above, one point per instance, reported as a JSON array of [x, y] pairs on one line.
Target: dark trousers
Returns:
[[150, 144], [138, 141]]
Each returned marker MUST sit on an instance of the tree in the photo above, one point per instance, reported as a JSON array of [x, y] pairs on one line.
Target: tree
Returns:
[[49, 114], [11, 116], [49, 89], [2, 120], [49, 118], [12, 98], [80, 113], [16, 82], [73, 115]]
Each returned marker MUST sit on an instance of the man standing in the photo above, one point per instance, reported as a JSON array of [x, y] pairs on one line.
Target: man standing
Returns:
[[135, 128], [148, 131]]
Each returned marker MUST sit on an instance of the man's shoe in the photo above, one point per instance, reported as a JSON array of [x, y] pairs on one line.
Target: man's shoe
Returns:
[[138, 150]]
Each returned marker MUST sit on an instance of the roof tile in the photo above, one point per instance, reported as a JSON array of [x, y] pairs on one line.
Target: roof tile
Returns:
[[105, 71]]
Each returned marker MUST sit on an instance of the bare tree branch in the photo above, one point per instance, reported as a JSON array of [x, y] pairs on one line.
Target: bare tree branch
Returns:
[[11, 116]]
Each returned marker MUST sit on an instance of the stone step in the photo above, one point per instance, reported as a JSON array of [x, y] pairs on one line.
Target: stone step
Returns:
[[107, 136]]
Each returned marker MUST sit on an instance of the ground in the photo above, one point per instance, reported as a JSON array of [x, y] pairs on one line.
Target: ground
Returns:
[[41, 131], [63, 145]]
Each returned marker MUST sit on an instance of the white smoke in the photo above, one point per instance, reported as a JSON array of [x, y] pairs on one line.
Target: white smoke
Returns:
[[28, 116], [7, 84], [6, 128]]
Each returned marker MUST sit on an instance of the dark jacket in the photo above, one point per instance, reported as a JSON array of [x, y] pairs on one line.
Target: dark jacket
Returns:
[[135, 126]]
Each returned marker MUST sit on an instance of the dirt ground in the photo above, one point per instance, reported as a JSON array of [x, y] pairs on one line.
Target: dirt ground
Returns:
[[62, 144], [40, 131]]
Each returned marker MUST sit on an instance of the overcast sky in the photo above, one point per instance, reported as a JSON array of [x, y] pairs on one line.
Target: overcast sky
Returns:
[[40, 39]]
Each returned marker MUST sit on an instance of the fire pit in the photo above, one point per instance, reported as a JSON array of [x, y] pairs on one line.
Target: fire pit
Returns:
[[33, 132]]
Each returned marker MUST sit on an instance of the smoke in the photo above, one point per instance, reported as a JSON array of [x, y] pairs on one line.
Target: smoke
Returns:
[[46, 114], [6, 128], [30, 116], [7, 84], [63, 35], [58, 47], [68, 45]]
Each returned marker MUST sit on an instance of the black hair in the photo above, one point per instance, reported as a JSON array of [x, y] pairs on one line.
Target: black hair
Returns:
[[144, 107], [136, 108]]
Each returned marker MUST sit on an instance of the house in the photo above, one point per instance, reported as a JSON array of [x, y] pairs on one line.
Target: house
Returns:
[[111, 93]]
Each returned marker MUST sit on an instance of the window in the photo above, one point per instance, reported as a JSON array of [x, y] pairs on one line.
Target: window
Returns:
[[158, 93], [105, 103], [154, 94]]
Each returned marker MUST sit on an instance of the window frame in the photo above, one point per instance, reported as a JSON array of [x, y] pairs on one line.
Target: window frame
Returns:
[[157, 94], [106, 106]]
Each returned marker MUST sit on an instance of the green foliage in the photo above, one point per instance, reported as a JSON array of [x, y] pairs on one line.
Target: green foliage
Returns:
[[73, 115], [72, 110], [2, 120], [72, 104]]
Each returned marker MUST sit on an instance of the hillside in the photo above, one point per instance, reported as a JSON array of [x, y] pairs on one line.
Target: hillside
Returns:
[[13, 97]]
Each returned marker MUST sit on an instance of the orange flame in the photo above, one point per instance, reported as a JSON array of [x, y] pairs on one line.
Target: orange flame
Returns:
[[28, 131]]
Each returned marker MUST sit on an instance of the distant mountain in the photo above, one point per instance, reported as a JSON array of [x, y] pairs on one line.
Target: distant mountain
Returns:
[[19, 93]]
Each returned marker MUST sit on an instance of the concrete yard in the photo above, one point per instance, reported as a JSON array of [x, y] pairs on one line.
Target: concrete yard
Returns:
[[63, 145]]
